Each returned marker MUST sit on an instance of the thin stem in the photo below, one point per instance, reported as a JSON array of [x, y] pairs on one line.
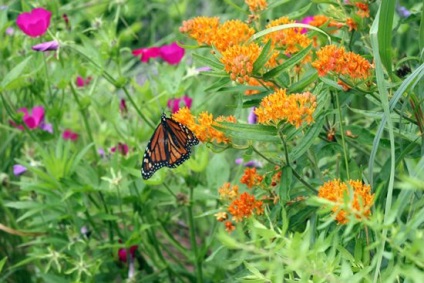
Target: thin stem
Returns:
[[346, 160], [307, 185], [47, 79], [264, 157], [197, 260]]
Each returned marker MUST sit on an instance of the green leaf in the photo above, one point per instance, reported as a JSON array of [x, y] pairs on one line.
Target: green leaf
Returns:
[[307, 140], [214, 64], [310, 77], [2, 262], [249, 132], [299, 12], [385, 27], [287, 64], [14, 74], [263, 57]]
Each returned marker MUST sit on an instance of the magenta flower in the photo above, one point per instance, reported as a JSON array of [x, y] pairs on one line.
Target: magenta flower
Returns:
[[81, 82], [34, 23], [46, 46], [122, 253], [306, 20], [19, 169], [172, 53], [33, 119], [175, 104], [147, 53], [121, 148], [70, 135], [123, 106]]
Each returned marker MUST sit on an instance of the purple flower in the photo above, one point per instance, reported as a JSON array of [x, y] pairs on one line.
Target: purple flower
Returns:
[[10, 31], [101, 152], [19, 169], [250, 163], [174, 104], [47, 127], [34, 23], [402, 11], [172, 53], [252, 118], [123, 106], [46, 46]]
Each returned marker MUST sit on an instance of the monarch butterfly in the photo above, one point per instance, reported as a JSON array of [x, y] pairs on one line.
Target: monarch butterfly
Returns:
[[169, 146]]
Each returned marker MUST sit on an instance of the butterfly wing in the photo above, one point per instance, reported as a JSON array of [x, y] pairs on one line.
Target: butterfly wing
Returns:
[[169, 146]]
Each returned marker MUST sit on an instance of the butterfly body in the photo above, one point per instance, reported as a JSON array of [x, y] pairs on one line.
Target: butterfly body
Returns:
[[169, 146]]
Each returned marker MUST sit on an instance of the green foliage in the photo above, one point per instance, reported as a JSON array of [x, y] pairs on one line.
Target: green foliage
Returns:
[[81, 211]]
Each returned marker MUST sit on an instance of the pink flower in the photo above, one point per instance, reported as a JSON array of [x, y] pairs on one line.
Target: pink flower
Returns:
[[33, 119], [147, 53], [70, 135], [34, 23], [176, 103], [46, 46], [306, 20], [121, 148], [122, 253], [172, 53], [81, 82]]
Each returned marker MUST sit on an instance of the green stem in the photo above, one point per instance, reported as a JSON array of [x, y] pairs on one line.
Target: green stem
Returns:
[[197, 260], [346, 160], [307, 185], [47, 79]]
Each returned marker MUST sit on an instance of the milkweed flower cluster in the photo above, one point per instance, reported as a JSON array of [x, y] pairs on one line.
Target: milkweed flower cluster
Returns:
[[251, 178], [335, 59], [202, 128], [358, 195], [240, 205], [295, 108], [256, 5]]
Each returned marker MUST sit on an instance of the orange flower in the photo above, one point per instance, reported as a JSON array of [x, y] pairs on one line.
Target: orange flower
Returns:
[[229, 226], [244, 207], [291, 39], [318, 20], [221, 216], [250, 178], [351, 24], [202, 29], [230, 33], [256, 5], [230, 119], [228, 192], [363, 10], [238, 61], [295, 108], [203, 129], [335, 59], [359, 203]]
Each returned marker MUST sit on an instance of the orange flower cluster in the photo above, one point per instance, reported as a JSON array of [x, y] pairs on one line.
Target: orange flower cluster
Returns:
[[256, 5], [335, 59], [230, 33], [363, 10], [295, 108], [228, 192], [250, 178], [244, 206], [359, 203], [203, 129], [229, 226], [291, 39], [202, 29], [351, 24], [238, 61], [207, 30]]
